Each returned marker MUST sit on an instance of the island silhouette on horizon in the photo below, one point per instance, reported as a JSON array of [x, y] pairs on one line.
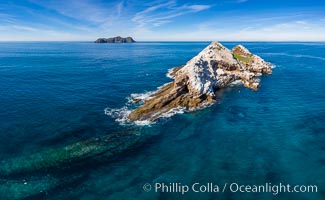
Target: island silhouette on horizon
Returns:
[[117, 39]]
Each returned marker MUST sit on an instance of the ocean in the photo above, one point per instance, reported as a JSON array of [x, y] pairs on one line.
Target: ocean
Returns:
[[57, 141]]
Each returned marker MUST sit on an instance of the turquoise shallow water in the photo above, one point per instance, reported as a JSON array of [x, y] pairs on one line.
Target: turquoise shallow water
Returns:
[[54, 94]]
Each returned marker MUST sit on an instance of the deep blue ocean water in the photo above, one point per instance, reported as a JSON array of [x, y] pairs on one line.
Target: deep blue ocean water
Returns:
[[54, 94]]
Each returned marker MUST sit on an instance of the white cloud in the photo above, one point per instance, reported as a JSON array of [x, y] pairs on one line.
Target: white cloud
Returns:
[[25, 33], [241, 1], [120, 7], [85, 10], [197, 8], [301, 22], [162, 13], [288, 31], [18, 28], [97, 20]]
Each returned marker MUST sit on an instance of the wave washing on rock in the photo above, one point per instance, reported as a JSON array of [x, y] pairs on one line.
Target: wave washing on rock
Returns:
[[195, 83], [121, 116]]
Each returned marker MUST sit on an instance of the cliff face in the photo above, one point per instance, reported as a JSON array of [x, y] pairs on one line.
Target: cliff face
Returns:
[[250, 61], [117, 39], [195, 83]]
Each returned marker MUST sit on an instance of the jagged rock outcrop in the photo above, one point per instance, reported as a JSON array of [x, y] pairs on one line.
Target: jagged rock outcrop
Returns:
[[117, 39], [250, 61], [195, 83]]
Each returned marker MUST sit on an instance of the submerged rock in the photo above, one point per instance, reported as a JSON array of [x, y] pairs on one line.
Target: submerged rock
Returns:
[[196, 82], [69, 156], [39, 174], [35, 187]]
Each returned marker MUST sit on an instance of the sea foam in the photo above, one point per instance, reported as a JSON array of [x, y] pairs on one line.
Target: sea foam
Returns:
[[169, 73], [140, 97]]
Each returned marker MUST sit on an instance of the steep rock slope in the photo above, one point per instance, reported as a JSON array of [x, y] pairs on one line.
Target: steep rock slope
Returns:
[[195, 83]]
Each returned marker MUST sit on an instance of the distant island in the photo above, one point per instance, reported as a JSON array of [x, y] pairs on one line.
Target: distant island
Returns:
[[117, 39]]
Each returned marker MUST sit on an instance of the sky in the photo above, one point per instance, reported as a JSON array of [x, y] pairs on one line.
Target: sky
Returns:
[[163, 20]]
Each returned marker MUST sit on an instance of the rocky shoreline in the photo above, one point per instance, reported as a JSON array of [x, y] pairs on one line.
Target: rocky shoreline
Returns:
[[195, 83]]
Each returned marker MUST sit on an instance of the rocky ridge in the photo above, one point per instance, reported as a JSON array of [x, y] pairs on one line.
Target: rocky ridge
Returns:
[[117, 39], [195, 83]]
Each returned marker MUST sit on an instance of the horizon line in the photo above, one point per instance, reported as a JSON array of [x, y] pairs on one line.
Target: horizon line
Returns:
[[144, 41]]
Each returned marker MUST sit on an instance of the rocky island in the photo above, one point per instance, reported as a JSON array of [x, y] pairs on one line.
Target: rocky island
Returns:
[[196, 82], [117, 39]]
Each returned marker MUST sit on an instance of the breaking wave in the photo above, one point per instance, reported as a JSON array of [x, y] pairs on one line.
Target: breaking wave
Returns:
[[140, 97], [121, 116], [172, 112], [235, 83], [169, 73]]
